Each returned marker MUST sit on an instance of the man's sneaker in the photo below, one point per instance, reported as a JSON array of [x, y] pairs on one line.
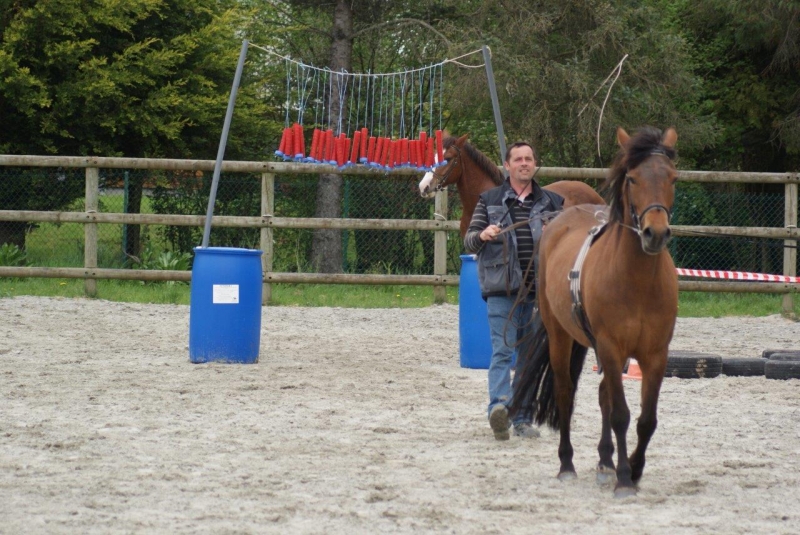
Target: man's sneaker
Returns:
[[498, 420], [526, 431]]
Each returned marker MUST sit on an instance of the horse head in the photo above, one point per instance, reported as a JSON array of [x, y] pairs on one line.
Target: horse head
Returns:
[[450, 173], [642, 185]]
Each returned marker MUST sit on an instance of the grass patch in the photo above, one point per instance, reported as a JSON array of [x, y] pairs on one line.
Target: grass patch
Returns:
[[691, 304], [357, 296], [333, 295], [718, 305], [111, 290]]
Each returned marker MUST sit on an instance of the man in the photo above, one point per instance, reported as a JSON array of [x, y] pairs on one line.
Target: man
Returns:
[[507, 274]]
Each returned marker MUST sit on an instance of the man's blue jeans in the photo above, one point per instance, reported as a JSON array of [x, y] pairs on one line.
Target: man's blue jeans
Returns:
[[505, 332]]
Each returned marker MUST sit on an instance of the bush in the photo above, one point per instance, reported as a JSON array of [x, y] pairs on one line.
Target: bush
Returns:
[[162, 260], [12, 255]]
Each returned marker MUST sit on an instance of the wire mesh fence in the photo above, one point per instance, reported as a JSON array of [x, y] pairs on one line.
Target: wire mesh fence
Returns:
[[397, 252]]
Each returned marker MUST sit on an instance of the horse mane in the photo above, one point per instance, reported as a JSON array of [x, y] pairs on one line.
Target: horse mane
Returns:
[[481, 160], [640, 147]]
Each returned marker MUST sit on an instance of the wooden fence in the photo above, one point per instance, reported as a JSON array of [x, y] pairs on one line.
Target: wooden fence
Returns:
[[91, 218]]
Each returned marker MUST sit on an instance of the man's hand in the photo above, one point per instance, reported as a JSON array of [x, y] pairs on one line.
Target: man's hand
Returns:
[[489, 233]]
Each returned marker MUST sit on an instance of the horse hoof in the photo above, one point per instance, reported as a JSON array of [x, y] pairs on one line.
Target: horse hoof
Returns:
[[624, 492], [567, 475], [606, 475]]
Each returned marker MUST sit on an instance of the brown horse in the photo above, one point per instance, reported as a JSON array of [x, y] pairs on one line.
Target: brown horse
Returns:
[[623, 301], [473, 173]]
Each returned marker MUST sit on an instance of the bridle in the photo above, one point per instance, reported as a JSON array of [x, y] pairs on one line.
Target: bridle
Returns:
[[451, 167], [638, 218]]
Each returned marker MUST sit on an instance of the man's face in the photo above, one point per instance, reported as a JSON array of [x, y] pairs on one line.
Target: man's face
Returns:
[[521, 164]]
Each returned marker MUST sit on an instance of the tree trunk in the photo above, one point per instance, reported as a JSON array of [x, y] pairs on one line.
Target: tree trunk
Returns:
[[133, 242], [326, 247]]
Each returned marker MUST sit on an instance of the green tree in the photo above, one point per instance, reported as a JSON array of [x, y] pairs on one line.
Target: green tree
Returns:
[[748, 54], [144, 78], [551, 59]]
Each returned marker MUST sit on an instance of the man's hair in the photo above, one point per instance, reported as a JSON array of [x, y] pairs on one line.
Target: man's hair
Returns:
[[517, 145]]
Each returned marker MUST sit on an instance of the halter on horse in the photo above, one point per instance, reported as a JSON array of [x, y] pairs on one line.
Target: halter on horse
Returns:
[[627, 293]]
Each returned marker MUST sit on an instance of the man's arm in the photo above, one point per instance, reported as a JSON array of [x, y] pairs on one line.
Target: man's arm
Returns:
[[479, 222]]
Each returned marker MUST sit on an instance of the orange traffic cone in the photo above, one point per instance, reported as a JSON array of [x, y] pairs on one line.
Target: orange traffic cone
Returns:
[[634, 371]]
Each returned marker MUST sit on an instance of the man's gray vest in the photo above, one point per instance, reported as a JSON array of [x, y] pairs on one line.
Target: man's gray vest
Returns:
[[499, 270]]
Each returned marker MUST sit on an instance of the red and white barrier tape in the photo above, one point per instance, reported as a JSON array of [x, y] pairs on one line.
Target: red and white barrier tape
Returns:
[[736, 275]]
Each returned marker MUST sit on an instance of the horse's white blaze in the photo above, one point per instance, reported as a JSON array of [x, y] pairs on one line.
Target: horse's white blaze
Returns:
[[424, 185]]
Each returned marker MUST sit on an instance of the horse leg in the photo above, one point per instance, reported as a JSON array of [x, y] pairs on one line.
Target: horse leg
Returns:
[[605, 468], [620, 418], [648, 419], [564, 392]]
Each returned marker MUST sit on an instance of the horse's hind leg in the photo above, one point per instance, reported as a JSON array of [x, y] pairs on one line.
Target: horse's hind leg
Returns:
[[564, 393], [648, 419], [605, 468]]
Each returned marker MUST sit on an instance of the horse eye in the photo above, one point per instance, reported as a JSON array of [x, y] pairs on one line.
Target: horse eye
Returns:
[[630, 180]]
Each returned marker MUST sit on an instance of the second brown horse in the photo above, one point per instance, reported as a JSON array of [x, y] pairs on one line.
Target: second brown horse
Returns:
[[473, 173]]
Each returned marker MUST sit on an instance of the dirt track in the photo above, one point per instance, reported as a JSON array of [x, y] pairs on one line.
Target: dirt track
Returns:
[[358, 421]]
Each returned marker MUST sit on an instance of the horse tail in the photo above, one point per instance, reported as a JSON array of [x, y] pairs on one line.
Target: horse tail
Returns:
[[534, 392]]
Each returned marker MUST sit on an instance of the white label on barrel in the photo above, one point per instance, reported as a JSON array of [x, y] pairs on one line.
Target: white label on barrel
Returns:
[[226, 294]]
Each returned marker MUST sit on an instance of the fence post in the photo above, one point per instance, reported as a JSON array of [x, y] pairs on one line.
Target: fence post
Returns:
[[90, 229], [790, 246], [440, 246], [267, 210]]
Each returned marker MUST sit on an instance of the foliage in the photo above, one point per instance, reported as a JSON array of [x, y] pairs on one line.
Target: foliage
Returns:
[[551, 59], [154, 259], [237, 194], [748, 53], [11, 255], [146, 78]]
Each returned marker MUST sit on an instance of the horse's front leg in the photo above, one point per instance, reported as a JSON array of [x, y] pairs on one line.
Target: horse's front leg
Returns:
[[564, 393], [652, 377], [606, 472], [620, 418]]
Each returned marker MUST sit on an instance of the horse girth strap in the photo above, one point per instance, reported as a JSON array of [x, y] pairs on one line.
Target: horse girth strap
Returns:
[[578, 312]]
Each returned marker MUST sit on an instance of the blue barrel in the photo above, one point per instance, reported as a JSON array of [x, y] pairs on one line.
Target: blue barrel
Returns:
[[225, 306], [475, 342]]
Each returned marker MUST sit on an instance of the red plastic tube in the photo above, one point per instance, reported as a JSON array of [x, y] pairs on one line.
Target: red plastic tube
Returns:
[[391, 153], [314, 144], [340, 150], [439, 148], [356, 146], [364, 136], [429, 153], [380, 150], [323, 146], [299, 141], [347, 143], [371, 149], [329, 149], [287, 132]]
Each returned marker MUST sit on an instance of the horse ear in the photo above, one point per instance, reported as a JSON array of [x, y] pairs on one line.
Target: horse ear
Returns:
[[463, 139], [622, 136], [670, 138]]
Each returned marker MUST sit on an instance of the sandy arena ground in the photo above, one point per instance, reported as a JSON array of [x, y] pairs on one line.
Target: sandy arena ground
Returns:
[[358, 421]]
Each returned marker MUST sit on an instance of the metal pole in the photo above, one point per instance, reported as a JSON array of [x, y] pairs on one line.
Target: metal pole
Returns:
[[223, 140], [498, 121]]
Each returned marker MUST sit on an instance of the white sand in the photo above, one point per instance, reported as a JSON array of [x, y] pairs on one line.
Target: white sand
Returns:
[[358, 421]]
